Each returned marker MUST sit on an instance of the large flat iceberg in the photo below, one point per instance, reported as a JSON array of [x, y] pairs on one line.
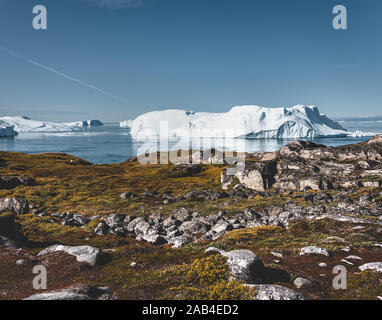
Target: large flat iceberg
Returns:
[[27, 125], [249, 122]]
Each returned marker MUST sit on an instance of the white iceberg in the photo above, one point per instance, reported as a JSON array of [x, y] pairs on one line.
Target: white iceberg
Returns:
[[27, 125], [250, 122], [6, 129], [126, 123]]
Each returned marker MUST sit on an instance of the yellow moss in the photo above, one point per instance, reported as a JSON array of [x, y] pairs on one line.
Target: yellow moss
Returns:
[[231, 290], [207, 278]]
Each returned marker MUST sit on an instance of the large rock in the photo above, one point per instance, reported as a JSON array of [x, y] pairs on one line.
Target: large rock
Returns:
[[194, 227], [179, 241], [10, 182], [114, 220], [60, 295], [259, 176], [87, 254], [78, 291], [133, 223], [275, 292], [183, 215], [222, 227], [102, 229], [245, 265], [15, 204], [142, 227], [294, 148], [154, 239], [376, 139]]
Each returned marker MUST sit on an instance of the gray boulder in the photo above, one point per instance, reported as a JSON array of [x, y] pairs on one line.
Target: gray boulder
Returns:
[[133, 223], [142, 227], [183, 215], [101, 229], [154, 239], [61, 295], [10, 182], [180, 241], [15, 204], [114, 220], [275, 292], [221, 227], [194, 226], [245, 265], [87, 254]]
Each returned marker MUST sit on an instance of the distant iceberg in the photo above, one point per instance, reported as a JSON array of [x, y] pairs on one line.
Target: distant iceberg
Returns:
[[126, 123], [6, 129], [249, 122], [85, 123], [25, 124]]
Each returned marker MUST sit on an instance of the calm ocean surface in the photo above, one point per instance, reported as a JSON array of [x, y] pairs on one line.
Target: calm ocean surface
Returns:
[[111, 144]]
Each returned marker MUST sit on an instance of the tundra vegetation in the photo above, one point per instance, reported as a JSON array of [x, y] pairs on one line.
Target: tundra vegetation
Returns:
[[190, 231]]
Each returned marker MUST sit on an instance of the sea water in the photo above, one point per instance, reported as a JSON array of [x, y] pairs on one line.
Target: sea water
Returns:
[[112, 144]]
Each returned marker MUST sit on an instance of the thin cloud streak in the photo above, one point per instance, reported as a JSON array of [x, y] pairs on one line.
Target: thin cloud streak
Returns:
[[89, 86], [114, 4]]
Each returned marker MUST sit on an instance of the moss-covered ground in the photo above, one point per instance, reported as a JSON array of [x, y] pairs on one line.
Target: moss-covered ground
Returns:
[[163, 272]]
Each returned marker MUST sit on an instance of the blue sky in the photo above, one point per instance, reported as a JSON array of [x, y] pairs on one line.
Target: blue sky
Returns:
[[202, 55]]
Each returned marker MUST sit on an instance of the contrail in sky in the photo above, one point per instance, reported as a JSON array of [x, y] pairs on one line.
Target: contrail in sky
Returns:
[[14, 54]]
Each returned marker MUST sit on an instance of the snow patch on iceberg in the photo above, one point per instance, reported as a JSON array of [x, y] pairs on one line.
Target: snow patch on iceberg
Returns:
[[249, 122]]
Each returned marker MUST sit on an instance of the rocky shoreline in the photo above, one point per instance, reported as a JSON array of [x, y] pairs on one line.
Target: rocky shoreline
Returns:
[[311, 183]]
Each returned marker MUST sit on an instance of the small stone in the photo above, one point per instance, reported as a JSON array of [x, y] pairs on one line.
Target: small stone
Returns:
[[348, 262], [322, 265], [21, 262], [276, 254], [302, 283], [352, 257], [334, 239], [374, 266], [314, 250], [133, 265]]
